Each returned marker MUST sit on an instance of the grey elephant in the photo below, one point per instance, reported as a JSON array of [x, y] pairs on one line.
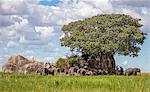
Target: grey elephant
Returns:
[[40, 71], [94, 71], [100, 72], [88, 72], [119, 70], [52, 71], [132, 71], [81, 71], [72, 70]]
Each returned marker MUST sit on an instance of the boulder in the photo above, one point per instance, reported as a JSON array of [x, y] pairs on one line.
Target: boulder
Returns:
[[15, 63], [32, 67], [20, 64]]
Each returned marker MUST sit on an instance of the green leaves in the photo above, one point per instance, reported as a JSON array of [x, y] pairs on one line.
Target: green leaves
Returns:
[[117, 33], [71, 60]]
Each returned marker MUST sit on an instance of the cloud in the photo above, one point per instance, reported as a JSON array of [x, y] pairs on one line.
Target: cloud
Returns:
[[64, 57], [135, 3], [1, 42], [50, 59], [23, 40], [29, 52], [45, 32], [125, 62], [63, 35], [11, 44]]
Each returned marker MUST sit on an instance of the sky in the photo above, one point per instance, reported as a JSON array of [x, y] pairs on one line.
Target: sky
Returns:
[[33, 27]]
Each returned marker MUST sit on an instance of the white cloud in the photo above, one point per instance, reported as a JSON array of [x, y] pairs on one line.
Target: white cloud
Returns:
[[50, 45], [11, 44], [1, 42], [6, 50], [50, 59], [64, 57], [23, 40], [125, 63], [30, 57], [45, 32], [131, 12], [103, 5], [144, 10], [29, 52], [63, 35], [133, 3]]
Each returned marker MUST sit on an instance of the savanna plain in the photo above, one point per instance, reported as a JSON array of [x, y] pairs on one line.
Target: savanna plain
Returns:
[[12, 82]]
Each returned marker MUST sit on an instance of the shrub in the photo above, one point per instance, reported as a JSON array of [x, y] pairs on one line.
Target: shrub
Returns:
[[72, 60]]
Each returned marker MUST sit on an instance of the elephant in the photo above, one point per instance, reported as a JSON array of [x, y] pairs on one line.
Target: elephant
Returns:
[[81, 71], [119, 70], [48, 71], [132, 71], [40, 71], [52, 71], [72, 70], [100, 72], [88, 72], [94, 71]]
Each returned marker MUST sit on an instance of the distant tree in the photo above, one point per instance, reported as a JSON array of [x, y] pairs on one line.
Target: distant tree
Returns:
[[70, 60], [61, 62], [101, 37]]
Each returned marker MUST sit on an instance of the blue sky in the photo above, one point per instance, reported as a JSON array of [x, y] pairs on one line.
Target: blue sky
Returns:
[[50, 2], [33, 27]]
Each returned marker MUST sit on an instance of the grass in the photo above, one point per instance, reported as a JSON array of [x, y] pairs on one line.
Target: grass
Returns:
[[39, 83]]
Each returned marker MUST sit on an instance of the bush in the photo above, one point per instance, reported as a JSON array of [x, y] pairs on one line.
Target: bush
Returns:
[[61, 62], [71, 61], [111, 71]]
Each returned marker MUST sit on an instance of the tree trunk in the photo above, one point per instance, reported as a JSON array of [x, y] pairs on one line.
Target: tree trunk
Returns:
[[105, 62]]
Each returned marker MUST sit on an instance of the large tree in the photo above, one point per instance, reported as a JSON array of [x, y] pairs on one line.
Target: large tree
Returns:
[[101, 37]]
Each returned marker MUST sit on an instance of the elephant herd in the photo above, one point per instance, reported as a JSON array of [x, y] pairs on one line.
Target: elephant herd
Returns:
[[74, 70]]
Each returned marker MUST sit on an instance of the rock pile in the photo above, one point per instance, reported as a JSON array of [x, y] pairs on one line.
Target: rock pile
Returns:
[[20, 64]]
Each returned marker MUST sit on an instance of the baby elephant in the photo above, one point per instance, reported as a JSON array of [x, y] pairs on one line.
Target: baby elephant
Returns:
[[132, 71]]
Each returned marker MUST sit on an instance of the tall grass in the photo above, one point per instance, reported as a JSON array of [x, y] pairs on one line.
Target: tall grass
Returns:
[[39, 83]]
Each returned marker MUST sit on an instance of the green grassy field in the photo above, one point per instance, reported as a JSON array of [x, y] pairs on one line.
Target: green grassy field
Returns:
[[39, 83]]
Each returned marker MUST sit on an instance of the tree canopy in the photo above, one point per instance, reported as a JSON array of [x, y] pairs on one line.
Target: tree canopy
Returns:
[[106, 33]]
